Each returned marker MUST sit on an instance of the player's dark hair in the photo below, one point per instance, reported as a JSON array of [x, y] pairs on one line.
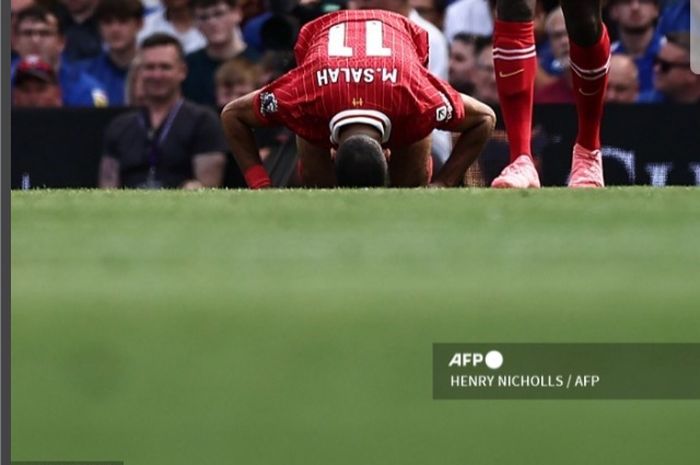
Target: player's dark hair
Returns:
[[119, 9], [208, 3], [160, 39], [39, 14], [360, 162]]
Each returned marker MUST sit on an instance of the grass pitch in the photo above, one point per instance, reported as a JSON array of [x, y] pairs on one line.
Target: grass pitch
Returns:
[[296, 327]]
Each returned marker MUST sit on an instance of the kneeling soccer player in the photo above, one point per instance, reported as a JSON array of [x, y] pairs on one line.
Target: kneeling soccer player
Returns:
[[362, 105]]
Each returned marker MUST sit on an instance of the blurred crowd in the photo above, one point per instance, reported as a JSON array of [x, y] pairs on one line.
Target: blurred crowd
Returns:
[[90, 53], [85, 52]]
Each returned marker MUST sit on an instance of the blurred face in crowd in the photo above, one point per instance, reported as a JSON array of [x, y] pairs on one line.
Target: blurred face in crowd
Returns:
[[217, 22], [120, 33], [15, 7], [162, 71], [485, 77], [462, 64], [635, 16], [426, 8], [40, 38], [672, 73], [558, 38], [36, 93], [232, 88], [77, 7], [623, 80]]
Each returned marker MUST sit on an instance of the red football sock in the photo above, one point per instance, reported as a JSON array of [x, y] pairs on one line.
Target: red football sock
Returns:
[[515, 62], [589, 66]]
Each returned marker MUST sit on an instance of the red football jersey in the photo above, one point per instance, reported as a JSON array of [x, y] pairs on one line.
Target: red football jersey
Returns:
[[365, 66]]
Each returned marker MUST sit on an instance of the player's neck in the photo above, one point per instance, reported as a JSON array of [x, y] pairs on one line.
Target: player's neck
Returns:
[[122, 58], [221, 52], [636, 43]]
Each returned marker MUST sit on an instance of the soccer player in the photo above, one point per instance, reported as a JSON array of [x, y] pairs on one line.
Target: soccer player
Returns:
[[363, 105], [516, 65]]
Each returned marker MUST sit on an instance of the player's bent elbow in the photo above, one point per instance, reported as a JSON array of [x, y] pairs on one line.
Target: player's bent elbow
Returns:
[[489, 119]]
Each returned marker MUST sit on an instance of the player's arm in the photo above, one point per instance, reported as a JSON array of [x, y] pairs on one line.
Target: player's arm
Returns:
[[475, 128], [238, 118]]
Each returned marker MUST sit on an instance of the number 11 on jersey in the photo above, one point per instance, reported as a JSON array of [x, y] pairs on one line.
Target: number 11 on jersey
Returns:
[[374, 41]]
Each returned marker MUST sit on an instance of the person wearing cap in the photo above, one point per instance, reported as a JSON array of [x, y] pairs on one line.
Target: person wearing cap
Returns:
[[38, 32], [35, 84]]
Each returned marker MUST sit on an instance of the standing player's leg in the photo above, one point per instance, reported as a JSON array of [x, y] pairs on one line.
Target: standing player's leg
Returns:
[[515, 61], [590, 62], [315, 165]]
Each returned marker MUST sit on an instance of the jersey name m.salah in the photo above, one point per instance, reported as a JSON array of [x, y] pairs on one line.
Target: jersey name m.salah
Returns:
[[361, 66]]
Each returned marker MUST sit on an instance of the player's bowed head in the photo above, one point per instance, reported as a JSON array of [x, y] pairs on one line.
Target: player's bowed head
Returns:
[[360, 160]]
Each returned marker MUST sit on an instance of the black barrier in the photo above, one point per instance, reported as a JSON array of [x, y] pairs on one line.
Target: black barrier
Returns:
[[643, 144]]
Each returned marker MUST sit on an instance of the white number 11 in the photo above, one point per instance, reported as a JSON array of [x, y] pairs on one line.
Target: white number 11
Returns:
[[374, 38]]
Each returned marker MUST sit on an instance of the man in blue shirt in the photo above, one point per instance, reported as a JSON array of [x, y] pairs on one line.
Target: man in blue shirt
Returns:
[[119, 23], [638, 36], [674, 81], [38, 32]]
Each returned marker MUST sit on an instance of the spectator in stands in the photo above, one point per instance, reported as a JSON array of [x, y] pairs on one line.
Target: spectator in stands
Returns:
[[80, 29], [119, 22], [485, 77], [462, 63], [674, 81], [432, 10], [636, 21], [35, 84], [15, 7], [133, 89], [561, 89], [38, 32], [174, 18], [173, 143], [623, 80], [218, 21], [473, 17], [235, 78]]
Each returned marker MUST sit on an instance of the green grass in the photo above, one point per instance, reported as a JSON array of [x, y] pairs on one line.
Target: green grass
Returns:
[[286, 328]]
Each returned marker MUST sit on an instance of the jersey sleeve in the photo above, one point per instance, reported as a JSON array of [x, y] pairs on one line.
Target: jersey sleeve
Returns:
[[275, 102], [449, 114], [421, 41]]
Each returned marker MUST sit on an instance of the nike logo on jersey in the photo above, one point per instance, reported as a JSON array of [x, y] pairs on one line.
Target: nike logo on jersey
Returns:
[[514, 73]]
